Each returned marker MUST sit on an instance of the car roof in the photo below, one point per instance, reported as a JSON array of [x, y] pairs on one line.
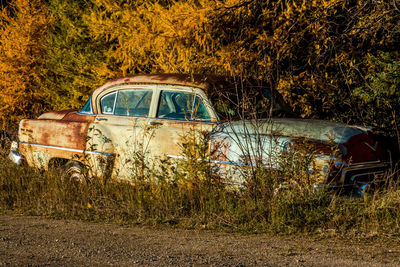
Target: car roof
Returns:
[[170, 79], [213, 85]]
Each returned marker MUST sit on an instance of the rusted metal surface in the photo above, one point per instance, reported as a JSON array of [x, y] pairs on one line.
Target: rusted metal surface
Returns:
[[41, 156], [175, 80], [55, 115], [69, 134], [342, 152], [172, 79], [301, 128], [338, 147]]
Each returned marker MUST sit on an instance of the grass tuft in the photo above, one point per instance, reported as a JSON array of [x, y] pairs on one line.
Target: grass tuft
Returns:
[[191, 197]]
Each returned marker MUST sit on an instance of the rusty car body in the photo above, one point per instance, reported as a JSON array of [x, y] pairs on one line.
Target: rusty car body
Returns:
[[116, 121]]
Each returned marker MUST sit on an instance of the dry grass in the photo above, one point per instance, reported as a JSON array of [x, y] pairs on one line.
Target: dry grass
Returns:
[[194, 199]]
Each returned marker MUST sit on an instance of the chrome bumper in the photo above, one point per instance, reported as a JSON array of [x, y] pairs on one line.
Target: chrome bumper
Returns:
[[365, 172], [358, 177], [14, 156]]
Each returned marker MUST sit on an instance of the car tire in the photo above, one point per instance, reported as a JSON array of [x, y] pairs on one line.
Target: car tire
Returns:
[[74, 171]]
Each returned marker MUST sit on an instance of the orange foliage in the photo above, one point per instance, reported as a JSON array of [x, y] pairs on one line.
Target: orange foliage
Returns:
[[315, 53], [20, 58]]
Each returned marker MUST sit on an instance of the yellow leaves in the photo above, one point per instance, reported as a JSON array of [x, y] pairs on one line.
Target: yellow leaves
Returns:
[[299, 45], [20, 58], [307, 111], [288, 12], [317, 49], [162, 37]]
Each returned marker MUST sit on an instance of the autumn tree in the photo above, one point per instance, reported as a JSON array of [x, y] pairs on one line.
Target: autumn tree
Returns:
[[73, 64], [22, 25], [308, 50], [317, 54]]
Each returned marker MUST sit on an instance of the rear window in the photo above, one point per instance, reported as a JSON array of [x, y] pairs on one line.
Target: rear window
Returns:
[[181, 106]]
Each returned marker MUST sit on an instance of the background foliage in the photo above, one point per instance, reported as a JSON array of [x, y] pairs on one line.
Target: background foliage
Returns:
[[334, 59]]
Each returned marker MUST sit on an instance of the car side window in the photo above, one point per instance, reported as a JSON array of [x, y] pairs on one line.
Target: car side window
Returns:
[[134, 103], [87, 108], [199, 111], [181, 106], [107, 103]]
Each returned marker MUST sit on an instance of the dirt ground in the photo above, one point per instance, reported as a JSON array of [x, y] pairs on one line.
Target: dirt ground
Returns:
[[37, 241]]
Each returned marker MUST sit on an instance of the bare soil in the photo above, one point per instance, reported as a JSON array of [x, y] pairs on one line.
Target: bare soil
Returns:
[[38, 241]]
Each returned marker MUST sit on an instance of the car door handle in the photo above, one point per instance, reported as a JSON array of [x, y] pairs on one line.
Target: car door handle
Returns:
[[155, 123], [101, 119]]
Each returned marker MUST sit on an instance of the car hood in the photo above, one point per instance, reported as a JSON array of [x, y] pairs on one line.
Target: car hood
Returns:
[[297, 128]]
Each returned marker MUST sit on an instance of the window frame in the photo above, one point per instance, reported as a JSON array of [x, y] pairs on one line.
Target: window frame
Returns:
[[124, 87], [156, 88], [141, 99], [91, 107], [115, 100], [205, 106], [191, 93]]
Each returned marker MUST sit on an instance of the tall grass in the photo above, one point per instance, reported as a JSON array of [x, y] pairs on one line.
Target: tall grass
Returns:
[[191, 197], [195, 203]]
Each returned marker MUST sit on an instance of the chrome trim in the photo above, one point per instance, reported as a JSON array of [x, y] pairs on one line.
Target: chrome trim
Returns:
[[212, 161], [191, 121], [91, 107], [224, 162], [69, 149], [369, 168], [15, 157], [115, 101], [88, 114], [232, 183]]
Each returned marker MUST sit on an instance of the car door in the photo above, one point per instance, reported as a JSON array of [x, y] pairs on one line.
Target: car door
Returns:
[[180, 112], [119, 132]]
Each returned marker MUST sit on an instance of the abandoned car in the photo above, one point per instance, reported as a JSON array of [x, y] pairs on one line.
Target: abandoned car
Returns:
[[244, 125]]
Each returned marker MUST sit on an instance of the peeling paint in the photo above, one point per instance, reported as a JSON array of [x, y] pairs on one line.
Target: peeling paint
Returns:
[[344, 154]]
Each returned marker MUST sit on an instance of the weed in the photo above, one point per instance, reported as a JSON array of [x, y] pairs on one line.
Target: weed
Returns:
[[188, 194]]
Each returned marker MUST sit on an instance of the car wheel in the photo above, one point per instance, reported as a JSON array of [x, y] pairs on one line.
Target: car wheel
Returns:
[[73, 171]]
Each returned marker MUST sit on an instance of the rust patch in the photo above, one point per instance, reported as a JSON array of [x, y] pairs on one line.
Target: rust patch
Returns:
[[320, 147], [55, 115], [48, 153], [362, 148], [218, 150], [60, 133], [74, 116], [172, 79]]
